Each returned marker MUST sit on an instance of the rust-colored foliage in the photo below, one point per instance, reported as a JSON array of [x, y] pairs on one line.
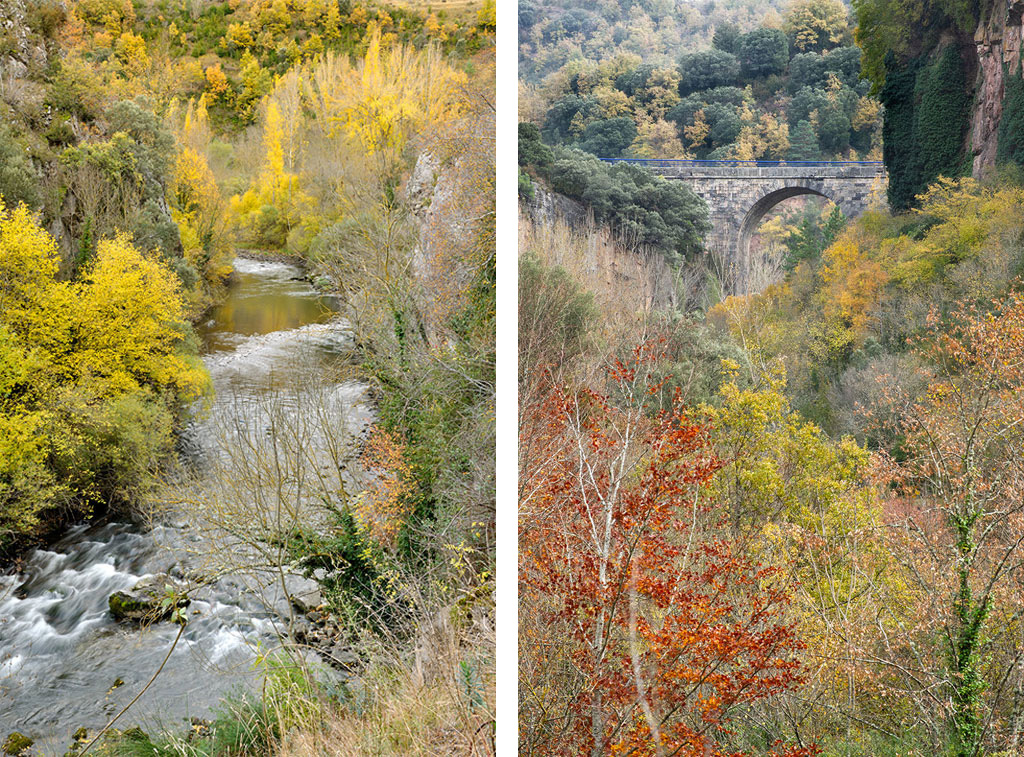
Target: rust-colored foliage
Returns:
[[384, 503], [642, 628]]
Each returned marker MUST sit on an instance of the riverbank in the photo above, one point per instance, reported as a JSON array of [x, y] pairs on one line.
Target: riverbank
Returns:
[[268, 256], [60, 650]]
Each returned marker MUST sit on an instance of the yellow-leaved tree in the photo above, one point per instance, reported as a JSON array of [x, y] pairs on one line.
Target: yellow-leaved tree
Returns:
[[197, 206], [92, 375], [275, 205], [130, 324], [393, 92], [27, 266], [803, 502]]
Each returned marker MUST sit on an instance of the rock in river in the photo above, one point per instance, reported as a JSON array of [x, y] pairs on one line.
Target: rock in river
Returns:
[[145, 600], [16, 743]]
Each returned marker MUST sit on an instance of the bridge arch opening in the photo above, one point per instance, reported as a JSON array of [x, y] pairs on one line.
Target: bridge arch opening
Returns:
[[760, 272]]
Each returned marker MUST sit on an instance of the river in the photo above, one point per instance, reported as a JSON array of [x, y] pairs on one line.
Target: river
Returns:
[[64, 662]]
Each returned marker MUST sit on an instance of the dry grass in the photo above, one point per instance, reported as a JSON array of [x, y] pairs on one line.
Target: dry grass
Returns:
[[458, 9], [438, 699], [408, 719], [628, 286]]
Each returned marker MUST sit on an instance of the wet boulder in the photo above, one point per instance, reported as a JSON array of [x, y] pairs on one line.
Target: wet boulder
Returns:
[[16, 743], [147, 601]]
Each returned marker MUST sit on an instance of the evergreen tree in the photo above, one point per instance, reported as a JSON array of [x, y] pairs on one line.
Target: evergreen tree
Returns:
[[727, 38], [803, 143], [706, 70], [763, 52]]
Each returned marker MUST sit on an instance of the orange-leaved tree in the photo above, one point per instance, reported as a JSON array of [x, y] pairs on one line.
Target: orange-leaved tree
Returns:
[[642, 629]]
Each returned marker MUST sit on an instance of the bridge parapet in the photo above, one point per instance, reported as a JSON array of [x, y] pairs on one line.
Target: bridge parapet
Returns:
[[758, 169]]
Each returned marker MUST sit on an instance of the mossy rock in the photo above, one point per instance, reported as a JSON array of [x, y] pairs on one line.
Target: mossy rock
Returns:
[[125, 607], [16, 743], [145, 601]]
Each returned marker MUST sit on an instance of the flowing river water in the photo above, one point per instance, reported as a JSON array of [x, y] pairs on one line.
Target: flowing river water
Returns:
[[64, 662]]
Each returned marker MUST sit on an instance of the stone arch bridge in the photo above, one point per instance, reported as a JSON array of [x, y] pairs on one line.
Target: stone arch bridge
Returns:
[[740, 192]]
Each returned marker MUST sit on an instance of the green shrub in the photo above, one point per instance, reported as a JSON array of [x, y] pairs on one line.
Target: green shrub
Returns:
[[555, 318], [533, 152], [640, 206], [19, 181], [525, 186], [45, 17], [350, 573]]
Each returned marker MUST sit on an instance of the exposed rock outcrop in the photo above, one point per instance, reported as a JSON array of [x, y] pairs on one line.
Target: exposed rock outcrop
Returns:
[[451, 195], [998, 41], [547, 206]]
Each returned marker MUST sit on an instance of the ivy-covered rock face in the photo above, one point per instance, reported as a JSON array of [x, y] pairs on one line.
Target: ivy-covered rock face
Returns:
[[927, 114], [1011, 125], [952, 87]]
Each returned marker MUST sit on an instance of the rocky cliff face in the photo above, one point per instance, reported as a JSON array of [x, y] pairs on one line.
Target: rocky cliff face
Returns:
[[20, 49], [450, 194], [998, 41]]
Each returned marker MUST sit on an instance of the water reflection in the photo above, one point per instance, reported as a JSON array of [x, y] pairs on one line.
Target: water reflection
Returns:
[[266, 297]]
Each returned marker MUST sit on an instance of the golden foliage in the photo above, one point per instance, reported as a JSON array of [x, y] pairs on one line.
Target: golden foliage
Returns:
[[658, 139], [128, 324], [216, 81], [28, 264], [698, 131], [817, 24], [89, 370], [131, 51], [276, 203], [391, 93], [762, 136], [852, 282]]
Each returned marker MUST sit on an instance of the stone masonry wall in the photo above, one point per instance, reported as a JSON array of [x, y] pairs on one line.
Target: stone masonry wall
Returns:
[[739, 197]]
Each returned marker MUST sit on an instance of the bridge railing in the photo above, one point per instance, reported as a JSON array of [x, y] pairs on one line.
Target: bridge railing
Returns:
[[675, 163]]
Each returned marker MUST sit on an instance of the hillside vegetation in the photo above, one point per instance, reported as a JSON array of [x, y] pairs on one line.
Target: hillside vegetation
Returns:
[[787, 522], [789, 88], [142, 146]]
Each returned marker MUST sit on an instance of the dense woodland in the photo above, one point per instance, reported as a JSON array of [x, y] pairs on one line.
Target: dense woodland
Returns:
[[789, 87], [142, 145], [785, 522]]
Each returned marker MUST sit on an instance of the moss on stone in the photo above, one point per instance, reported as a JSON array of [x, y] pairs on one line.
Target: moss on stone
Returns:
[[124, 607], [16, 743]]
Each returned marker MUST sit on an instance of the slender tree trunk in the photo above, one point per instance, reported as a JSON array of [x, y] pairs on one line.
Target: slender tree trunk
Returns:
[[1016, 717]]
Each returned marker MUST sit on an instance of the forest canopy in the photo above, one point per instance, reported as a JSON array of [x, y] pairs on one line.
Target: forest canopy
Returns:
[[789, 87]]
